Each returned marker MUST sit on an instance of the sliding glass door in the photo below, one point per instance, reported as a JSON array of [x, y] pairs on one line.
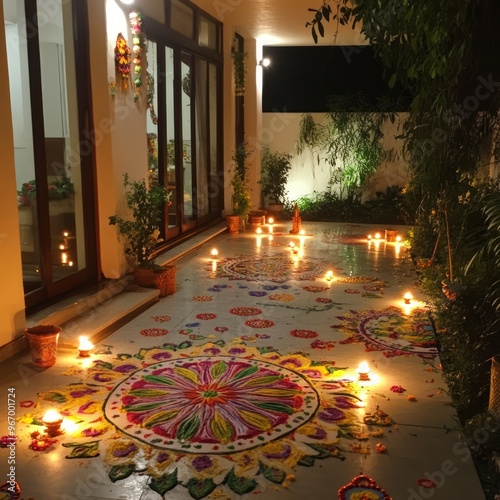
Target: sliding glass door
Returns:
[[48, 107]]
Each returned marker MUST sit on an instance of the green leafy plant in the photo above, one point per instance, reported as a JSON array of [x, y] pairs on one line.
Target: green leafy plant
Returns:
[[57, 190], [240, 71], [274, 175], [146, 205], [241, 196]]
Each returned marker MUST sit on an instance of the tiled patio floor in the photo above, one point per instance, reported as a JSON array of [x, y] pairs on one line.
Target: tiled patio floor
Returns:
[[255, 377]]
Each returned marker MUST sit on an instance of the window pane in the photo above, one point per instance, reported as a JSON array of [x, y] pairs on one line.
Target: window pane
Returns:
[[17, 61], [201, 108], [62, 148], [212, 112], [186, 108], [182, 18], [207, 33], [151, 116], [172, 165]]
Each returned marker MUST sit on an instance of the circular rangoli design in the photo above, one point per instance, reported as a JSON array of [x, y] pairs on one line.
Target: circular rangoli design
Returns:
[[154, 332], [246, 311], [391, 331], [206, 316], [259, 323], [211, 405], [304, 334], [276, 268]]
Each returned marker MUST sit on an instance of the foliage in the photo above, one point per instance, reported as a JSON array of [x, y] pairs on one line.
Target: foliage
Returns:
[[240, 158], [275, 170], [330, 207], [309, 134], [146, 205], [240, 71], [352, 141], [57, 190], [241, 196]]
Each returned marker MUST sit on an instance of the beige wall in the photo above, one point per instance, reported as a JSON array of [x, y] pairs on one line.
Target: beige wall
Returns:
[[12, 316], [280, 132], [119, 130]]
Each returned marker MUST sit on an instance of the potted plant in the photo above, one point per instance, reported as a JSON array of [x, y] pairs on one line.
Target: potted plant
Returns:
[[241, 203], [43, 344], [274, 176], [146, 205]]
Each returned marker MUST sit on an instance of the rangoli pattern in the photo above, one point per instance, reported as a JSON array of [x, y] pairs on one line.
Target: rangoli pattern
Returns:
[[390, 330]]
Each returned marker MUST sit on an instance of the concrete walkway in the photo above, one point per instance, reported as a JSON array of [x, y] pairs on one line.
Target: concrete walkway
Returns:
[[246, 382]]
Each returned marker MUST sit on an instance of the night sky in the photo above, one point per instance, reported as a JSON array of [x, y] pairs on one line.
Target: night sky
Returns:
[[301, 79]]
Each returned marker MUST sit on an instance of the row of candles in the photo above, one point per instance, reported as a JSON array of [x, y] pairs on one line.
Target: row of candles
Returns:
[[54, 422]]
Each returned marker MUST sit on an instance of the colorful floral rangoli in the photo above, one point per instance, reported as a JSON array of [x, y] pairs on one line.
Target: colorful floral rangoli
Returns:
[[276, 268], [390, 330]]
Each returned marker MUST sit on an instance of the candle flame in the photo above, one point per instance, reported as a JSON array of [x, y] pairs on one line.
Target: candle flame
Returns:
[[363, 367], [85, 344], [214, 252], [51, 416]]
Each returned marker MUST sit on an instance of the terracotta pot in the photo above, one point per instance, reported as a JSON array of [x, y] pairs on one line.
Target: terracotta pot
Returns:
[[165, 281], [145, 276], [43, 344], [232, 222]]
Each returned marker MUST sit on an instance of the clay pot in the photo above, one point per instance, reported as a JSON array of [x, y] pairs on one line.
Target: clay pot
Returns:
[[165, 281], [43, 344], [145, 276], [232, 222]]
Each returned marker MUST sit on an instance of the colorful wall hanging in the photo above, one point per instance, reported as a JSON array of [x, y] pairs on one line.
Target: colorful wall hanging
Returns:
[[122, 60]]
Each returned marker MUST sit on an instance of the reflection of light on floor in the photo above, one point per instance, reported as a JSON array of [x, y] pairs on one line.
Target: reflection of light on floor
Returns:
[[214, 266], [408, 308], [259, 242], [69, 426]]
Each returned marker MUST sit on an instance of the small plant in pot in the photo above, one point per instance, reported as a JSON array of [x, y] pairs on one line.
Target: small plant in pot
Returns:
[[146, 206], [274, 176], [241, 203]]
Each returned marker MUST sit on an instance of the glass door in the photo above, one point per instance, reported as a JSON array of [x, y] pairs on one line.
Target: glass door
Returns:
[[46, 116]]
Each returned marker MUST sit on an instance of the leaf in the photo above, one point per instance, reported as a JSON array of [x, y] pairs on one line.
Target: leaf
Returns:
[[164, 483], [187, 374], [200, 488], [147, 393], [321, 29], [273, 474], [326, 12], [277, 407], [143, 407], [392, 80], [158, 418], [240, 485], [222, 429], [122, 471], [188, 428], [218, 369], [314, 35], [246, 372], [157, 379]]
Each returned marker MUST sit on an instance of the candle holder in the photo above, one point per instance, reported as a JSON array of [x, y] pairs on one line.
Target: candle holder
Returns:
[[52, 421], [407, 297], [84, 347], [363, 372]]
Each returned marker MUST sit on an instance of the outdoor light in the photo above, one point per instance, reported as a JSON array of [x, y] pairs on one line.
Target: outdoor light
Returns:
[[363, 372], [214, 252], [84, 347], [52, 420], [265, 62]]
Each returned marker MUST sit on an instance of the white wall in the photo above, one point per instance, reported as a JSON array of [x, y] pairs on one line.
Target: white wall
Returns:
[[280, 132]]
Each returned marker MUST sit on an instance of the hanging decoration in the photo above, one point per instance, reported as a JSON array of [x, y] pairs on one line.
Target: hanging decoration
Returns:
[[122, 60], [136, 30]]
